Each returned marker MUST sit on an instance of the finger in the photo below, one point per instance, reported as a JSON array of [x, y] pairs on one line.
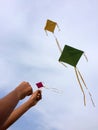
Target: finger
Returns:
[[30, 92], [39, 96]]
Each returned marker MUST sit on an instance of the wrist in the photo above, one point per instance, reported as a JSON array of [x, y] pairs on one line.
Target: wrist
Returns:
[[31, 103], [18, 94], [28, 104]]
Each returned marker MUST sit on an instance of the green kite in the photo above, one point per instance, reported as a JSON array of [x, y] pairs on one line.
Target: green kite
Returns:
[[72, 56]]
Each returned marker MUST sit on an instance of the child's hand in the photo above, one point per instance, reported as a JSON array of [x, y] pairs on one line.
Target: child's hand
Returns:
[[36, 96], [24, 89]]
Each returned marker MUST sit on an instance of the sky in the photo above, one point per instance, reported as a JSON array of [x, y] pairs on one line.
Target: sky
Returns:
[[27, 54]]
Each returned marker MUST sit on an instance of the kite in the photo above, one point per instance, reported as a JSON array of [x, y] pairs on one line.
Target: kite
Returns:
[[72, 56], [50, 26], [41, 85]]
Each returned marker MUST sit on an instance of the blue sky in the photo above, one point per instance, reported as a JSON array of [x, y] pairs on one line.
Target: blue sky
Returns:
[[27, 54]]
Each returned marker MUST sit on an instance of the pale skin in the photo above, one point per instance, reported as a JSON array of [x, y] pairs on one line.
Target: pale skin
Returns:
[[8, 113]]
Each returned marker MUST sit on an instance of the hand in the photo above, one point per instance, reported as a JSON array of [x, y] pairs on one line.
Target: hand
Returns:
[[24, 89], [35, 97]]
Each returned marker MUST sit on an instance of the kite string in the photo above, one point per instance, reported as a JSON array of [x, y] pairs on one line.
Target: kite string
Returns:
[[80, 85], [86, 87]]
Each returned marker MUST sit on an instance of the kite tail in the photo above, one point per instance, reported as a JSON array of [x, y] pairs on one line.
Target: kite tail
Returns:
[[58, 27], [54, 90], [46, 32], [91, 99], [63, 64], [80, 85], [82, 78], [86, 87], [59, 49], [85, 57], [58, 44]]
